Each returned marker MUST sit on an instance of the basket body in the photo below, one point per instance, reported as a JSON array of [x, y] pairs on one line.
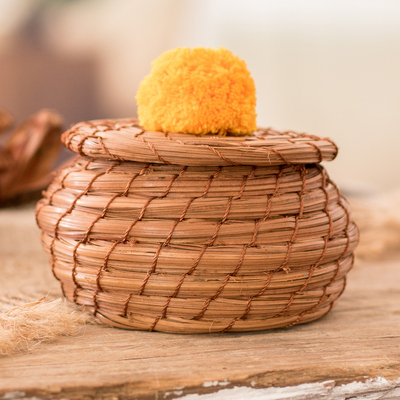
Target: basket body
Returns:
[[189, 248]]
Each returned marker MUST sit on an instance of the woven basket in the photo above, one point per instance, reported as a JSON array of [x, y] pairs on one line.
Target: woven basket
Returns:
[[179, 233]]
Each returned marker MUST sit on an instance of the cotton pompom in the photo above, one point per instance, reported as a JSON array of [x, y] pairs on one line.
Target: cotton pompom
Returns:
[[198, 91]]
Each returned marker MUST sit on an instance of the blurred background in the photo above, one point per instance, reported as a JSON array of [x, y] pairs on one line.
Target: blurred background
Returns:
[[326, 67]]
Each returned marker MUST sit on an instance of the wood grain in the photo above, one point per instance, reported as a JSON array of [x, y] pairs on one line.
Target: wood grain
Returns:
[[358, 340]]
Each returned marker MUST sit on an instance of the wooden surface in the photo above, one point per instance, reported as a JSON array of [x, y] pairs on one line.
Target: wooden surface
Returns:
[[360, 339]]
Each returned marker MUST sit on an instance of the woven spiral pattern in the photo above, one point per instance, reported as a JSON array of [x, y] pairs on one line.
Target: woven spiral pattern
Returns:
[[125, 140], [190, 249]]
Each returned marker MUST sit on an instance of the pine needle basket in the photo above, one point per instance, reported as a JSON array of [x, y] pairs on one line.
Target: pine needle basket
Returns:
[[191, 234]]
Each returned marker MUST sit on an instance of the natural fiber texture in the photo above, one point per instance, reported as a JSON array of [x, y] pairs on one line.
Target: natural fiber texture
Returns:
[[182, 248], [198, 91], [25, 278], [24, 326], [126, 140]]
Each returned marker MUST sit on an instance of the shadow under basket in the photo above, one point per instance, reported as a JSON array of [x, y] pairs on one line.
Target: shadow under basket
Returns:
[[188, 234]]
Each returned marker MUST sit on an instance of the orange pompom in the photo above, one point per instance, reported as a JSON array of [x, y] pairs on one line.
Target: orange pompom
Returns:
[[198, 91]]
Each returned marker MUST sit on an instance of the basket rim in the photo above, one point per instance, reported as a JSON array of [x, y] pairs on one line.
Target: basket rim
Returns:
[[126, 140]]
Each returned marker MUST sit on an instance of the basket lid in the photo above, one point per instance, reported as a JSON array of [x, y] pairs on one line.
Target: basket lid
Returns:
[[126, 140]]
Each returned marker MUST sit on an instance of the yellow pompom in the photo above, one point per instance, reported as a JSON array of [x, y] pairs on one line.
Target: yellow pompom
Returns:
[[198, 91]]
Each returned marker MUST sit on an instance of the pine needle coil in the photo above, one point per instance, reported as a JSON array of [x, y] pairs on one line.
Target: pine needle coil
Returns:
[[183, 234]]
